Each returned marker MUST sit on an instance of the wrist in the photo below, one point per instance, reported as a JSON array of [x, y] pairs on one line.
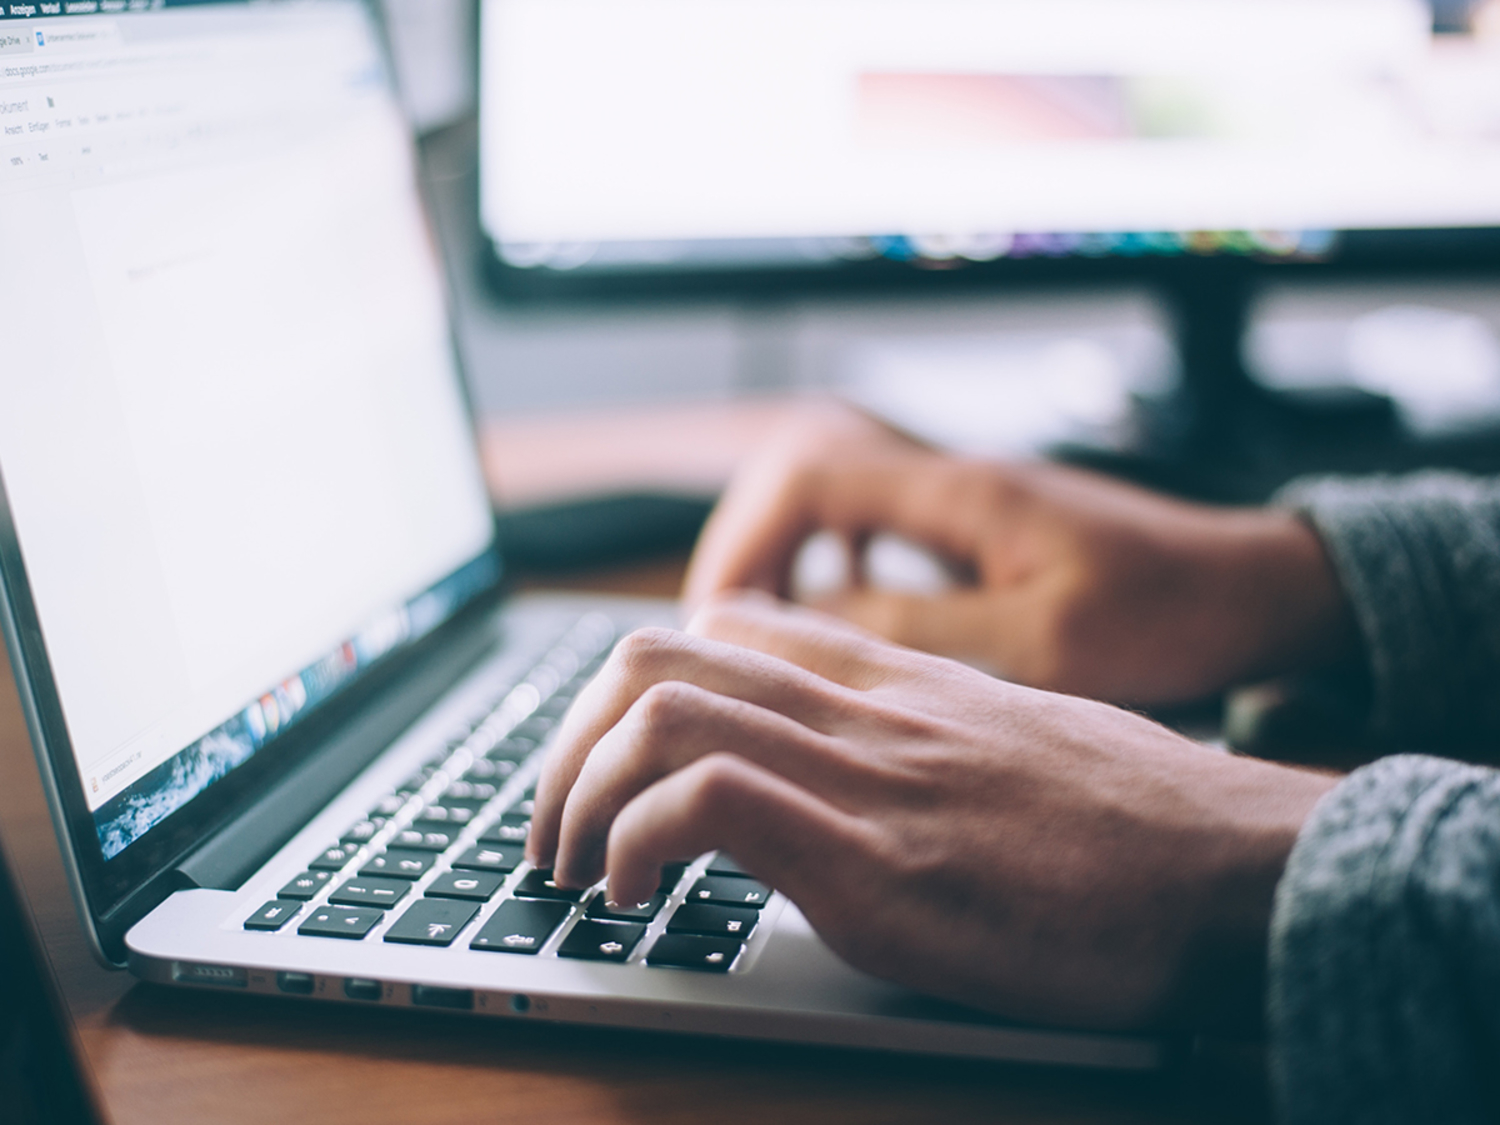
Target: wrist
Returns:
[[1220, 983], [1289, 610]]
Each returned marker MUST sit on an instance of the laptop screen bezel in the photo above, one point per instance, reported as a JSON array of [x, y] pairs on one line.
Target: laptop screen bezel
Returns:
[[113, 894]]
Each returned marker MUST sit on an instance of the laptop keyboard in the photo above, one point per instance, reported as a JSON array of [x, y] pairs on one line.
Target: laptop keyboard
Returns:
[[438, 861]]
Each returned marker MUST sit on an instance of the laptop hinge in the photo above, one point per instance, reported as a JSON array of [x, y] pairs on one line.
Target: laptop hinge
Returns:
[[234, 853]]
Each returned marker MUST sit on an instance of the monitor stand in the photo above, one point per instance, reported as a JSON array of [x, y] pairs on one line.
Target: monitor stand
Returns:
[[1220, 435]]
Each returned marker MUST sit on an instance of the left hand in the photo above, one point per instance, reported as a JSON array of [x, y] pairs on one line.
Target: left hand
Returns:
[[1043, 856]]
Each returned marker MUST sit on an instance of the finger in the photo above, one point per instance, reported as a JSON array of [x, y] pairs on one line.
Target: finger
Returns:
[[786, 836], [829, 647], [670, 727], [959, 623], [753, 535], [653, 656]]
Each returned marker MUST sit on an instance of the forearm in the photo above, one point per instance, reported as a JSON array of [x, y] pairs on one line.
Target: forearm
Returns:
[[1384, 1002]]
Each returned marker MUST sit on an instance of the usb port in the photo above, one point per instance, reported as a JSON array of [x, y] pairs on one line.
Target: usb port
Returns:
[[357, 989], [428, 996], [295, 984]]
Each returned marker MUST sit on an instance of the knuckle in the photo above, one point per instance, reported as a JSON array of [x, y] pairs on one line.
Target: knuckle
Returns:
[[640, 653], [716, 783], [663, 709], [723, 612]]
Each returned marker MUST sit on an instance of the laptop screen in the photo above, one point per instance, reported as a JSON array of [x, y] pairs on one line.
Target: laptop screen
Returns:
[[232, 435]]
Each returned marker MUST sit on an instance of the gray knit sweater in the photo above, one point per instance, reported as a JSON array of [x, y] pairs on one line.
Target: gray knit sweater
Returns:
[[1384, 1002]]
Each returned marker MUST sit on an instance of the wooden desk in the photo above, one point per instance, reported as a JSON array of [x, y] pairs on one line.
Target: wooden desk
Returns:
[[165, 1056]]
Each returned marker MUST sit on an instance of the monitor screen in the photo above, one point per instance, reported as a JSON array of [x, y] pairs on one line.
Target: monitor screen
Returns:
[[233, 441], [638, 135]]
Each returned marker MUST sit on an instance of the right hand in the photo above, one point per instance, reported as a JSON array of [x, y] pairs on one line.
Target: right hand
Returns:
[[1045, 857], [1079, 583]]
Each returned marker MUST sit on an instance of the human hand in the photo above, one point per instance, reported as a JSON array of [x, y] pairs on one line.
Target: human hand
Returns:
[[1043, 856], [1074, 582]]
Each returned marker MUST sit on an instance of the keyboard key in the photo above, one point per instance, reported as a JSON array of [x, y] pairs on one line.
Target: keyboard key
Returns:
[[726, 890], [427, 839], [365, 891], [306, 885], [714, 921], [478, 793], [388, 806], [482, 858], [671, 875], [272, 916], [539, 884], [361, 832], [457, 815], [626, 912], [601, 941], [512, 750], [520, 926], [511, 828], [722, 864], [689, 951], [348, 922], [533, 730], [399, 864], [333, 859], [432, 922], [484, 769], [478, 885]]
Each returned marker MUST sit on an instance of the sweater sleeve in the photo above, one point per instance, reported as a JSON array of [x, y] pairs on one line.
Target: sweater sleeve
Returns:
[[1384, 988], [1419, 559]]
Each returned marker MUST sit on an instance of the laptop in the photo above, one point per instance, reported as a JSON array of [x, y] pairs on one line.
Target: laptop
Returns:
[[288, 719], [44, 1079]]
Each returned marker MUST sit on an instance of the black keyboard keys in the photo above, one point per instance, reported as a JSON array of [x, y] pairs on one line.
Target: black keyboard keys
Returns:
[[272, 916], [399, 863], [456, 815], [349, 922], [479, 886], [305, 886], [726, 890], [388, 806], [714, 921], [626, 912], [490, 858], [511, 828], [334, 858], [671, 875], [432, 922], [474, 793], [365, 891], [520, 926], [601, 941], [539, 884], [722, 864], [361, 832], [689, 951], [425, 839]]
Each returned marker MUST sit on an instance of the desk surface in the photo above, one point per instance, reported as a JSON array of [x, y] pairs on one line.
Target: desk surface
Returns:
[[165, 1056]]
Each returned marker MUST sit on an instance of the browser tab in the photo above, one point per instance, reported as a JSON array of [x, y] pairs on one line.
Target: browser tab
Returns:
[[14, 42]]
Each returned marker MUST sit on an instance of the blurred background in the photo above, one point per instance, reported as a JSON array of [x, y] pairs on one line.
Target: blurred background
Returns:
[[1357, 331]]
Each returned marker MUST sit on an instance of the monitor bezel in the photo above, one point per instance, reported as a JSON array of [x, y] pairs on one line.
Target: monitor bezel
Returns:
[[1356, 254]]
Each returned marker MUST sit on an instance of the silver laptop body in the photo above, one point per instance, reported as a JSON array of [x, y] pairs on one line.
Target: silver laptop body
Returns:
[[287, 720]]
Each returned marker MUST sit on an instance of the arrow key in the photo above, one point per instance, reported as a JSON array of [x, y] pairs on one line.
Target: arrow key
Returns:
[[432, 921]]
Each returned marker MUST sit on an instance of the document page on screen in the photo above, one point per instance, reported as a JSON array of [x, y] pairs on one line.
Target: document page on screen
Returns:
[[231, 430]]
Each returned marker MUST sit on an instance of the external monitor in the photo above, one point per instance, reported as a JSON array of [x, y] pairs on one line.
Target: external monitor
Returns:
[[632, 143]]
